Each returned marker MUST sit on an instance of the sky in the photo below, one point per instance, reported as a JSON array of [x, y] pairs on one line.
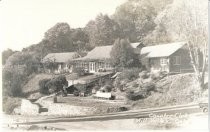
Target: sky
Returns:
[[24, 22]]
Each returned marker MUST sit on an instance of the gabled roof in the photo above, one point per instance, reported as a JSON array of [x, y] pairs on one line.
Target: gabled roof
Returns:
[[60, 57], [162, 50], [100, 52]]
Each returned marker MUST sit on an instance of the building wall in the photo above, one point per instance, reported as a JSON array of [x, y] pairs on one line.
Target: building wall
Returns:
[[59, 68], [184, 65], [94, 66], [156, 64]]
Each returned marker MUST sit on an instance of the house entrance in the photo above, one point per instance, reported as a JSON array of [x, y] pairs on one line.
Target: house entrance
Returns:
[[92, 67]]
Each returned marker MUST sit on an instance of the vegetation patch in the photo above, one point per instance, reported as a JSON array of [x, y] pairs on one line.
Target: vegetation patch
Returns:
[[9, 104], [172, 91]]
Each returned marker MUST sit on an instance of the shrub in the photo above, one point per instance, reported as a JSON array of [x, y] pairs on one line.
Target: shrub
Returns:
[[158, 75], [127, 75], [96, 87], [9, 104], [80, 87], [56, 84], [42, 86], [131, 95], [15, 85], [76, 93], [130, 74], [79, 71], [143, 74], [107, 88], [149, 86]]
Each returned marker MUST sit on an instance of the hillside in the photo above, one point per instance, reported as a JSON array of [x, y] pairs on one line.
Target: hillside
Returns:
[[32, 86], [172, 90]]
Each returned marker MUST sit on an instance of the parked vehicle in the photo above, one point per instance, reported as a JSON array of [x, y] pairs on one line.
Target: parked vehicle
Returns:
[[204, 107]]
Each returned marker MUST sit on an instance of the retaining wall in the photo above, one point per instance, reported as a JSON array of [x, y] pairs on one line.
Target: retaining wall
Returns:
[[29, 108]]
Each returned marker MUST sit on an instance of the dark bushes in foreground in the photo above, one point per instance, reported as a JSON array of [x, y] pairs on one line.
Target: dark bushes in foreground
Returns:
[[49, 86], [43, 87]]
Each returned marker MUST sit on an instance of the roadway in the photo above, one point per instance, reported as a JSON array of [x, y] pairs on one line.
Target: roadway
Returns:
[[106, 121]]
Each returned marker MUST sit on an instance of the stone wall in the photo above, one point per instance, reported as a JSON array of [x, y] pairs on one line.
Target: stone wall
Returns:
[[29, 108]]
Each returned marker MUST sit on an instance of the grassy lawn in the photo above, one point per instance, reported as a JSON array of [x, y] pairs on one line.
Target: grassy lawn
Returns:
[[89, 101], [101, 106]]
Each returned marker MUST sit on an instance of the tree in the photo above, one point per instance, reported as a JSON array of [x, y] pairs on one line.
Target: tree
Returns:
[[6, 54], [42, 86], [12, 83], [158, 35], [56, 84], [137, 17], [122, 54], [58, 38], [102, 31], [188, 20], [27, 59], [80, 39]]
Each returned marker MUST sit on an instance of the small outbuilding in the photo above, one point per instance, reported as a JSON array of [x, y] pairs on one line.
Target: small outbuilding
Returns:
[[170, 58], [59, 61]]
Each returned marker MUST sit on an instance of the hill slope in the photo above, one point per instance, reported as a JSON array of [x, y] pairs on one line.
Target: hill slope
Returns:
[[173, 90], [32, 86]]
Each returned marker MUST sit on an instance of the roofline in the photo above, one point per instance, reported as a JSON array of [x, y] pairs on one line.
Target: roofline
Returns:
[[167, 43], [184, 43]]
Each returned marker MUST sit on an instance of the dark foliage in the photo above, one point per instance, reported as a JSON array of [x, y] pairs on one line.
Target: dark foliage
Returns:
[[12, 83], [9, 104], [56, 84], [6, 54], [122, 54], [42, 86], [131, 95]]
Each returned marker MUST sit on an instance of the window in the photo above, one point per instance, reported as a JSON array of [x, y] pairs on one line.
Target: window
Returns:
[[163, 61], [107, 65], [100, 64], [177, 60]]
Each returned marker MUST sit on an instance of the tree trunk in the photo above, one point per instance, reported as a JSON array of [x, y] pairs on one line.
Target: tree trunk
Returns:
[[200, 76]]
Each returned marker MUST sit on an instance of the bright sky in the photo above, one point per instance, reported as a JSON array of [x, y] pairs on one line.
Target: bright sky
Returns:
[[24, 22]]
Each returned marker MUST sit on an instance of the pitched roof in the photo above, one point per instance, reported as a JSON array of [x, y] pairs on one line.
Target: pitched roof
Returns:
[[100, 52], [162, 50], [60, 57], [135, 45]]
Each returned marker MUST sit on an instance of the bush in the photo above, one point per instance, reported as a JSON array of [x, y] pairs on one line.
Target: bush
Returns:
[[107, 88], [158, 75], [130, 74], [12, 83], [42, 86], [131, 95], [96, 87], [76, 93], [144, 75], [56, 84], [9, 104], [80, 87], [126, 76], [79, 71], [149, 86]]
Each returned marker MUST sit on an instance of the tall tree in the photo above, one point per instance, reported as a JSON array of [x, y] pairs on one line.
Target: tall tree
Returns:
[[158, 35], [188, 20], [6, 54], [122, 54], [136, 17], [80, 39], [58, 38], [102, 31]]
